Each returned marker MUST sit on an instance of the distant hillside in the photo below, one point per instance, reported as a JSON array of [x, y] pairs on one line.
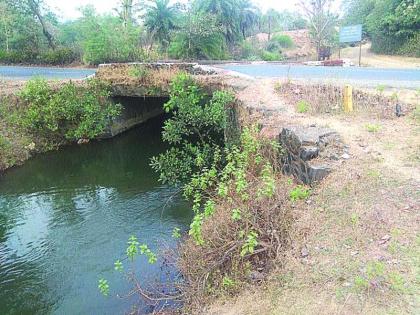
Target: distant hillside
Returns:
[[302, 49]]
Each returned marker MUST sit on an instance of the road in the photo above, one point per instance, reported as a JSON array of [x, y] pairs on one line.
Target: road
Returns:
[[25, 73], [369, 77]]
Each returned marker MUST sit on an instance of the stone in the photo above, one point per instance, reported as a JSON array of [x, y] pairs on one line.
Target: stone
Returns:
[[82, 141], [308, 153], [318, 172], [304, 144]]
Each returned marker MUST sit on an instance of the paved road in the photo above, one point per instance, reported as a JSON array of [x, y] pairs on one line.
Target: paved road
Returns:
[[25, 73], [371, 77]]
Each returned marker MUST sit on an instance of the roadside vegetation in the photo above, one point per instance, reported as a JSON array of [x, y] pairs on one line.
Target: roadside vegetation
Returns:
[[43, 116], [392, 26], [32, 33]]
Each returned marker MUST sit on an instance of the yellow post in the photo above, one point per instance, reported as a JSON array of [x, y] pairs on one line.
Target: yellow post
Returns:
[[348, 98]]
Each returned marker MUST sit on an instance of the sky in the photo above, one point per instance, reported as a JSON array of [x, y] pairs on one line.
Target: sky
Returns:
[[67, 9]]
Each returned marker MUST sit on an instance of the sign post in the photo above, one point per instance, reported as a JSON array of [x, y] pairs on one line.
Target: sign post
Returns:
[[352, 34]]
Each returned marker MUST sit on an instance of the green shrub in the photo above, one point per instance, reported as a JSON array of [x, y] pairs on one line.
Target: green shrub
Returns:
[[284, 41], [71, 111], [271, 56], [195, 131], [373, 127], [302, 106], [59, 56], [299, 193]]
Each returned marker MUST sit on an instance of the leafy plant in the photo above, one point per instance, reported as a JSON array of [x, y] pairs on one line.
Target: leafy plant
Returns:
[[176, 233], [236, 214], [195, 131], [302, 106], [251, 242], [103, 287], [299, 193], [70, 111], [373, 128]]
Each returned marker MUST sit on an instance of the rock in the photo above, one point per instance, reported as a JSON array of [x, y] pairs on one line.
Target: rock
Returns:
[[304, 252], [31, 146], [345, 156], [318, 172], [384, 239], [309, 153], [256, 276], [304, 144], [82, 141]]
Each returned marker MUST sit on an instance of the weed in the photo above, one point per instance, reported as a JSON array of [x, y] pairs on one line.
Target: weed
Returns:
[[302, 106], [397, 282], [138, 71], [250, 243], [103, 287], [373, 128], [228, 282], [374, 173], [299, 193], [236, 214], [354, 219], [360, 283], [176, 233], [380, 88]]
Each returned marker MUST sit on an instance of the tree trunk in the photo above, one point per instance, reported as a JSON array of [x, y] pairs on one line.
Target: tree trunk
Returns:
[[35, 10]]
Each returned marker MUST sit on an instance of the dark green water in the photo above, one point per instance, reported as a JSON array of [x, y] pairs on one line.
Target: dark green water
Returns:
[[65, 217]]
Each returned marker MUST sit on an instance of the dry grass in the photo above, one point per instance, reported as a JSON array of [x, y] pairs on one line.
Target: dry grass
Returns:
[[360, 228], [150, 80], [219, 267], [328, 98]]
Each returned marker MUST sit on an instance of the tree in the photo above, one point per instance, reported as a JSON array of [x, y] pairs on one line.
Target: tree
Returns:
[[321, 22], [199, 37], [159, 20], [126, 11], [35, 7], [249, 16], [6, 22], [270, 20], [227, 13]]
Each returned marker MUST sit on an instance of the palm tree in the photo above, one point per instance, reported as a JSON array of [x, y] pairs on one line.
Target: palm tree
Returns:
[[249, 16], [159, 20], [126, 10], [227, 12]]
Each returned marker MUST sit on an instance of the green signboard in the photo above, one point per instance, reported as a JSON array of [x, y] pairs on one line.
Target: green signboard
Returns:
[[349, 34]]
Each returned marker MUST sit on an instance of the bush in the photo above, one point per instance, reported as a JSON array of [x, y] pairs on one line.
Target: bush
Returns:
[[302, 106], [241, 219], [271, 56], [411, 47], [59, 56], [70, 111], [195, 131], [284, 41]]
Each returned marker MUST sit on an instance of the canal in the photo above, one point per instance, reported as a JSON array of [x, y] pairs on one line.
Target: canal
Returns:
[[66, 216]]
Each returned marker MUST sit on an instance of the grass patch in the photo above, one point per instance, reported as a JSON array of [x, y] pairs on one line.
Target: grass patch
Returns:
[[373, 128], [302, 106]]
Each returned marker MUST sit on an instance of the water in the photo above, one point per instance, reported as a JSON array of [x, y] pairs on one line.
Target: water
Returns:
[[65, 217]]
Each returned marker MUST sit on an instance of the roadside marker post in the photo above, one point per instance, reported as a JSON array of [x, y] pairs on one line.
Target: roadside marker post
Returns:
[[348, 98]]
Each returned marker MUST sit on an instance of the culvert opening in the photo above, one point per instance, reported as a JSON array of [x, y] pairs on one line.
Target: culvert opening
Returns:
[[135, 111]]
